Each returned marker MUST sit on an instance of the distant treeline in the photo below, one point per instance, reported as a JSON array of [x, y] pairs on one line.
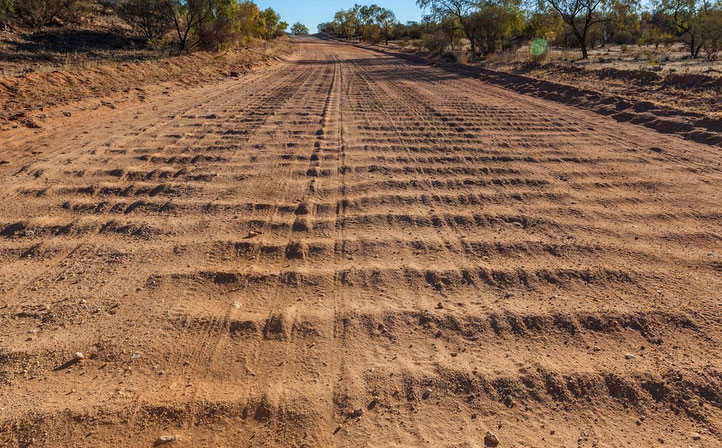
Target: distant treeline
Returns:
[[186, 25], [486, 27]]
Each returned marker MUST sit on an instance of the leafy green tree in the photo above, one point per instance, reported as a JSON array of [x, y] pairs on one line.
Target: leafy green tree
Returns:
[[386, 21], [545, 23], [493, 24], [39, 13], [365, 20], [186, 16], [686, 14], [299, 29], [270, 25], [223, 28], [6, 12], [247, 17], [435, 42], [459, 10], [656, 27], [710, 28], [580, 15], [326, 28], [345, 23], [452, 31]]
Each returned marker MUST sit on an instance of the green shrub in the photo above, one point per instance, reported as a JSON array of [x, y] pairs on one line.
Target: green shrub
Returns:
[[623, 37], [711, 30], [435, 42]]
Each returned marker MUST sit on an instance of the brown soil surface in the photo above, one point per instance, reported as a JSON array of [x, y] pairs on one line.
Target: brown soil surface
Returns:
[[31, 99], [350, 249], [664, 104], [697, 93]]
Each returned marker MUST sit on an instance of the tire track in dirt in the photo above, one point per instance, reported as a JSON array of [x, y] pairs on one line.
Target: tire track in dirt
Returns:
[[121, 177], [350, 231]]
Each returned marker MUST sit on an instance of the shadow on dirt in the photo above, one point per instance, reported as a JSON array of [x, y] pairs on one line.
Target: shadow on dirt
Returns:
[[72, 46]]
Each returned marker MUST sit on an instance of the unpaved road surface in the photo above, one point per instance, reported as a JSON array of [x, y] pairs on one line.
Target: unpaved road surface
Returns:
[[347, 249]]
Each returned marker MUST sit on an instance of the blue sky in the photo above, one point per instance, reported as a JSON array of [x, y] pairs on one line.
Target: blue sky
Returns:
[[314, 12]]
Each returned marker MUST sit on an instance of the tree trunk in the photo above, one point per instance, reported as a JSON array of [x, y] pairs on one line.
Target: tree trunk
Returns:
[[691, 45], [582, 42], [697, 50]]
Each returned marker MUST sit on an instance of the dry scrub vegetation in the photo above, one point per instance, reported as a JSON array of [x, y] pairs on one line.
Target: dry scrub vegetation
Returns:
[[53, 51], [179, 26], [485, 28], [665, 52]]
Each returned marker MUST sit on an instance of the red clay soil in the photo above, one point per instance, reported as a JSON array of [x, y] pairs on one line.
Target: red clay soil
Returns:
[[348, 249], [20, 96], [689, 106]]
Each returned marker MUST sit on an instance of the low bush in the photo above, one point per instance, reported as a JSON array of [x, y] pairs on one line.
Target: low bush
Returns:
[[623, 37], [435, 43], [711, 30]]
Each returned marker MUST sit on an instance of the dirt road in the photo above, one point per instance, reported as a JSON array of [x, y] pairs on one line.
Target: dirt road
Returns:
[[347, 249]]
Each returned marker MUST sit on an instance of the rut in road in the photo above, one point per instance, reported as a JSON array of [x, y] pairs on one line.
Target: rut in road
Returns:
[[253, 264]]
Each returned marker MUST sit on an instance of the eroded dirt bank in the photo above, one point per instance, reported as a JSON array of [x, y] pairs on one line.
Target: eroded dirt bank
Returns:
[[345, 249], [33, 99]]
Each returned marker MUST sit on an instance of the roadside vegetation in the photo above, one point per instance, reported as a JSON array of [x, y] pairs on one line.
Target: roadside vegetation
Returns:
[[31, 28], [299, 29], [54, 52], [482, 29]]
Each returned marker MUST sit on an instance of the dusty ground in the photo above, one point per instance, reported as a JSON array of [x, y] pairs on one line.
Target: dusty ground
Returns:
[[694, 93], [673, 81], [664, 59], [346, 249], [32, 99]]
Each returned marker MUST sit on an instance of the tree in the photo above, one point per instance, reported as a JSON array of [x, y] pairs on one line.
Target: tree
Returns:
[[493, 24], [546, 24], [148, 17], [435, 42], [38, 13], [270, 25], [6, 13], [710, 27], [386, 20], [657, 27], [623, 22], [685, 15], [186, 16], [452, 32], [365, 20], [460, 10], [326, 28], [247, 16], [580, 15], [345, 23], [223, 28], [299, 29]]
